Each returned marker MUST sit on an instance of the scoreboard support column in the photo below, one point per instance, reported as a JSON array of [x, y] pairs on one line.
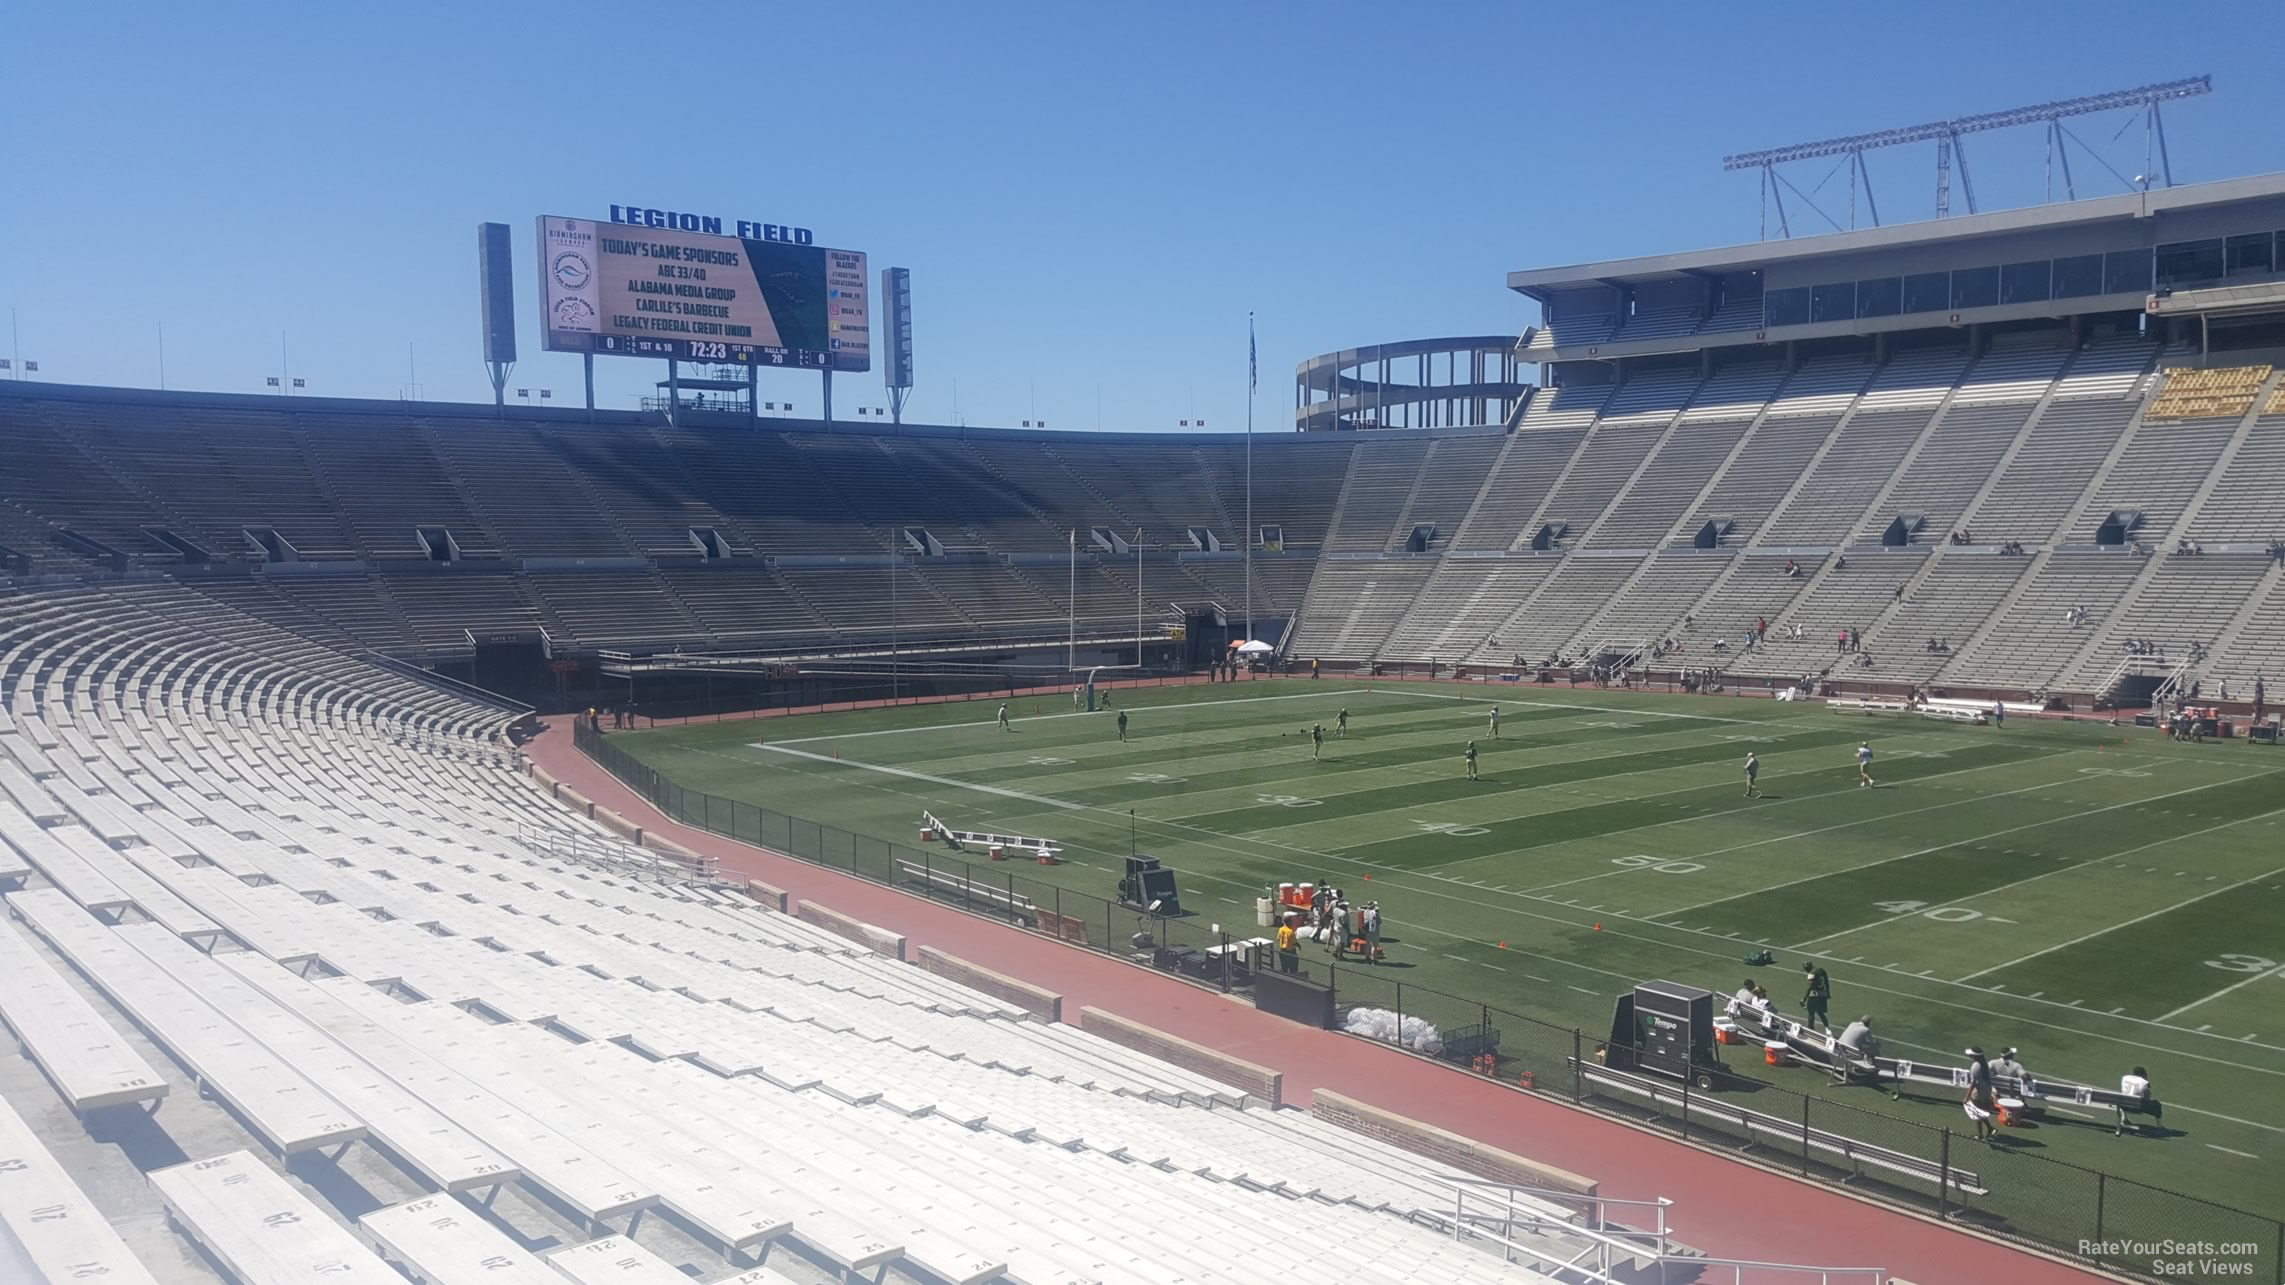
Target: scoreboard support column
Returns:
[[828, 373], [753, 393], [587, 364]]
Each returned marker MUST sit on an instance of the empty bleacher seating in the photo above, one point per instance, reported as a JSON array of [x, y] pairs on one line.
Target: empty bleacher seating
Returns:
[[640, 537], [2222, 392], [400, 913]]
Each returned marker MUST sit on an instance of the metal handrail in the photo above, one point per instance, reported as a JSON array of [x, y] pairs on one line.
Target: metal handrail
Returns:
[[1825, 1275], [618, 857], [1603, 1237], [1603, 1244]]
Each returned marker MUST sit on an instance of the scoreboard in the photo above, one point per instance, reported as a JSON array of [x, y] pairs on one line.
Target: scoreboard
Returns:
[[634, 291]]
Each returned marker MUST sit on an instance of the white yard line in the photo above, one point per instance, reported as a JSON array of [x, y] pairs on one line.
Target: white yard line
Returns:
[[1592, 709], [909, 774], [2272, 972], [1906, 856], [1041, 718], [1844, 825], [1723, 954], [2164, 910], [2232, 1151], [2059, 870]]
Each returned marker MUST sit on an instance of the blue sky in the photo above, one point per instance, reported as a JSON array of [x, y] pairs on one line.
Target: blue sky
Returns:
[[1090, 197]]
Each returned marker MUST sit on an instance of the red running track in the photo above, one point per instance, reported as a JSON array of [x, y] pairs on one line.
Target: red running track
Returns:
[[1722, 1207]]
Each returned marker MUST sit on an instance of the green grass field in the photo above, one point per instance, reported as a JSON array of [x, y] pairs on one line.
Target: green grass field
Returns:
[[2098, 897]]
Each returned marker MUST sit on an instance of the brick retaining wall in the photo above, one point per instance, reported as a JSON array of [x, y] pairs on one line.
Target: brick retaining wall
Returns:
[[1465, 1155], [1039, 1002], [1257, 1081]]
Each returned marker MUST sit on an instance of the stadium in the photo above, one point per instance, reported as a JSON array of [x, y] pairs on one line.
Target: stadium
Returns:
[[683, 844]]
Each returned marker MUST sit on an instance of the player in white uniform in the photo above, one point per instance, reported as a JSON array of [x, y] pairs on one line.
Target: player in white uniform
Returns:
[[1495, 722], [1004, 717], [1864, 766], [1752, 776]]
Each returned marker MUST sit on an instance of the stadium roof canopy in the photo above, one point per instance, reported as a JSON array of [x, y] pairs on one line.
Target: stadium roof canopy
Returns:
[[2102, 254]]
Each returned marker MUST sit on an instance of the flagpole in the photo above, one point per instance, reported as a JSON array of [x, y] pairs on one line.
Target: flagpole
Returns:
[[1252, 377]]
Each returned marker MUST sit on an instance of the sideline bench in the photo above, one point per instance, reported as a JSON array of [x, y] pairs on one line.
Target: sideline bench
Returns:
[[66, 1237], [1955, 714], [256, 1224], [1751, 1123], [936, 881], [1852, 705], [65, 1037], [1813, 1048]]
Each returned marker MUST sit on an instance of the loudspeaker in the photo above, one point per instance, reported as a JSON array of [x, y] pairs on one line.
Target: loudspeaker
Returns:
[[496, 291]]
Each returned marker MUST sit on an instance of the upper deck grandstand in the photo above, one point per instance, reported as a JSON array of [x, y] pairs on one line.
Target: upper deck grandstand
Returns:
[[1953, 433]]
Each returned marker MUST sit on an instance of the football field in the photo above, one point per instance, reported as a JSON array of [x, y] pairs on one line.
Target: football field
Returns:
[[2097, 897]]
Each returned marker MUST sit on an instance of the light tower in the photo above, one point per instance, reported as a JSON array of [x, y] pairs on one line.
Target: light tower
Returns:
[[1951, 150]]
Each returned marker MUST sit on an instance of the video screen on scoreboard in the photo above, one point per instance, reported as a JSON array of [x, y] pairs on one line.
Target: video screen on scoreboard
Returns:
[[631, 291]]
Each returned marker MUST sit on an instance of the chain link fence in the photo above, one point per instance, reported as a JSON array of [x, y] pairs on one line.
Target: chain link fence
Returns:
[[2117, 1223]]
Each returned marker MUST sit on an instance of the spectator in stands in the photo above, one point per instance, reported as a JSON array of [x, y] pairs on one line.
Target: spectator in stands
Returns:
[[1899, 594], [1841, 562], [1843, 644]]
